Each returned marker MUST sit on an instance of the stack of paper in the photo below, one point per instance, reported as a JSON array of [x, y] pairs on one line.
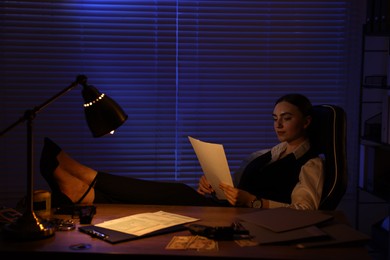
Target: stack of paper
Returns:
[[281, 225]]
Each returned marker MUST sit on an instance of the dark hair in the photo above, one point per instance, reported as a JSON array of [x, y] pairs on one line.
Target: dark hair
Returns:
[[300, 101]]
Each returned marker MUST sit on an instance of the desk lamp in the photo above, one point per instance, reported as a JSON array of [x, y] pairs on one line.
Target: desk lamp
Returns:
[[103, 116]]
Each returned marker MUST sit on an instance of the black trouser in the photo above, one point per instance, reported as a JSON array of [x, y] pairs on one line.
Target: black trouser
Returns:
[[120, 189]]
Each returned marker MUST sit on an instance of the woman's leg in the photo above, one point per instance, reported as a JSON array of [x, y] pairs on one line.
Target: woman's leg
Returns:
[[121, 189], [79, 182], [76, 190], [76, 169]]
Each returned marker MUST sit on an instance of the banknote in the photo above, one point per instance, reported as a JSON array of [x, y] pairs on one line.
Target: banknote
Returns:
[[198, 243], [179, 242], [246, 242]]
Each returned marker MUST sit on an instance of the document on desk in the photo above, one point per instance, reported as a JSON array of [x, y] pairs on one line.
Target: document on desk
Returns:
[[145, 223], [137, 226], [212, 159]]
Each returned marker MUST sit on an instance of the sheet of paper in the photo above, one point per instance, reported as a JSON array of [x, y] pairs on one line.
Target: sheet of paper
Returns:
[[144, 223], [214, 164]]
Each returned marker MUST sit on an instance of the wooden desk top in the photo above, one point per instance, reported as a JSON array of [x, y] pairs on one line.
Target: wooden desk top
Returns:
[[62, 241]]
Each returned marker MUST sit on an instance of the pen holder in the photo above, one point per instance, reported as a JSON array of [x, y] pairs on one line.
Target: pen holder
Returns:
[[42, 203], [85, 213]]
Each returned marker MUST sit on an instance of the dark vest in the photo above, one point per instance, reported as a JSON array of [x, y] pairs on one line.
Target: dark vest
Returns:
[[274, 181]]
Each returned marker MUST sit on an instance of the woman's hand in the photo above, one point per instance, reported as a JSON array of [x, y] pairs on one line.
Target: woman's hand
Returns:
[[237, 197], [204, 186]]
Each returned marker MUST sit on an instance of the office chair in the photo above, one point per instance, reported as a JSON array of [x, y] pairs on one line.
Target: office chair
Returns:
[[328, 137]]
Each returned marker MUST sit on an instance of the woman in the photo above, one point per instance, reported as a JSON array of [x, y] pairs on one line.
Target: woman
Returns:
[[287, 175]]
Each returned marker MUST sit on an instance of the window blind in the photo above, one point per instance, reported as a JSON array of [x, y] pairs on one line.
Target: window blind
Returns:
[[207, 69]]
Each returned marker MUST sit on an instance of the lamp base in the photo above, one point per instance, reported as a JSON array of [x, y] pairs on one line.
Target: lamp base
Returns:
[[28, 227]]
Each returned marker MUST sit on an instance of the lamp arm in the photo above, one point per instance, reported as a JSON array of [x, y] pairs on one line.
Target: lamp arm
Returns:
[[29, 226], [30, 114]]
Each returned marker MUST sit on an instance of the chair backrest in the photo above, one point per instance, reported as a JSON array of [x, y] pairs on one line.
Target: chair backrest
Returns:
[[328, 137]]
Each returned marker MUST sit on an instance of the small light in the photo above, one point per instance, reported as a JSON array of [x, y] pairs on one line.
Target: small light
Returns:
[[103, 114]]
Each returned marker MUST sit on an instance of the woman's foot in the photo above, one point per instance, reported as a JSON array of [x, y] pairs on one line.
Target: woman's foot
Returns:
[[70, 181], [76, 190], [48, 164], [76, 169]]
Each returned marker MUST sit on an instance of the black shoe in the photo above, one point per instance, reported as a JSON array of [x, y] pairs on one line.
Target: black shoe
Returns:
[[48, 163]]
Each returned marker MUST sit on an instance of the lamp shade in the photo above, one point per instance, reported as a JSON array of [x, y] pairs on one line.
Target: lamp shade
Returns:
[[103, 114]]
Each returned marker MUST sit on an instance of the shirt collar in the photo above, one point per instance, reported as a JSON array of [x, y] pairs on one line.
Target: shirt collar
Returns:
[[298, 152]]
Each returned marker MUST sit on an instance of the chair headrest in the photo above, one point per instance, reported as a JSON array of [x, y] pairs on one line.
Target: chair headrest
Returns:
[[327, 134], [327, 128]]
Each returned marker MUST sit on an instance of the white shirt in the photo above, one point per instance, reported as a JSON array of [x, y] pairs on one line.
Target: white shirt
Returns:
[[307, 193]]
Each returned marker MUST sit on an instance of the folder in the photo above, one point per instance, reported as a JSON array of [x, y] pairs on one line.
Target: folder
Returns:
[[113, 236], [285, 219], [265, 236], [306, 228], [338, 234], [137, 226]]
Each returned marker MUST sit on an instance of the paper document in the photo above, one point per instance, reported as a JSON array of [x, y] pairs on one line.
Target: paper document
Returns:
[[214, 164], [144, 223]]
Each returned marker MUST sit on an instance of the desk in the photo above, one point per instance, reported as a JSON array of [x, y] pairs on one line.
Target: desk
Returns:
[[155, 246]]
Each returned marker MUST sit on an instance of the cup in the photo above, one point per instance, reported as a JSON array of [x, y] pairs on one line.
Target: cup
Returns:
[[42, 203]]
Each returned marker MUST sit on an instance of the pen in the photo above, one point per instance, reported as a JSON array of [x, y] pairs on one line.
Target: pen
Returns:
[[98, 234]]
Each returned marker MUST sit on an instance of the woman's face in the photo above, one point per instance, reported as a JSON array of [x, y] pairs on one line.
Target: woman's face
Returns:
[[289, 122]]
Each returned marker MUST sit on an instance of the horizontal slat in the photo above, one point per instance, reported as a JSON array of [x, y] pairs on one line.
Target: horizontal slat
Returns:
[[209, 69]]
